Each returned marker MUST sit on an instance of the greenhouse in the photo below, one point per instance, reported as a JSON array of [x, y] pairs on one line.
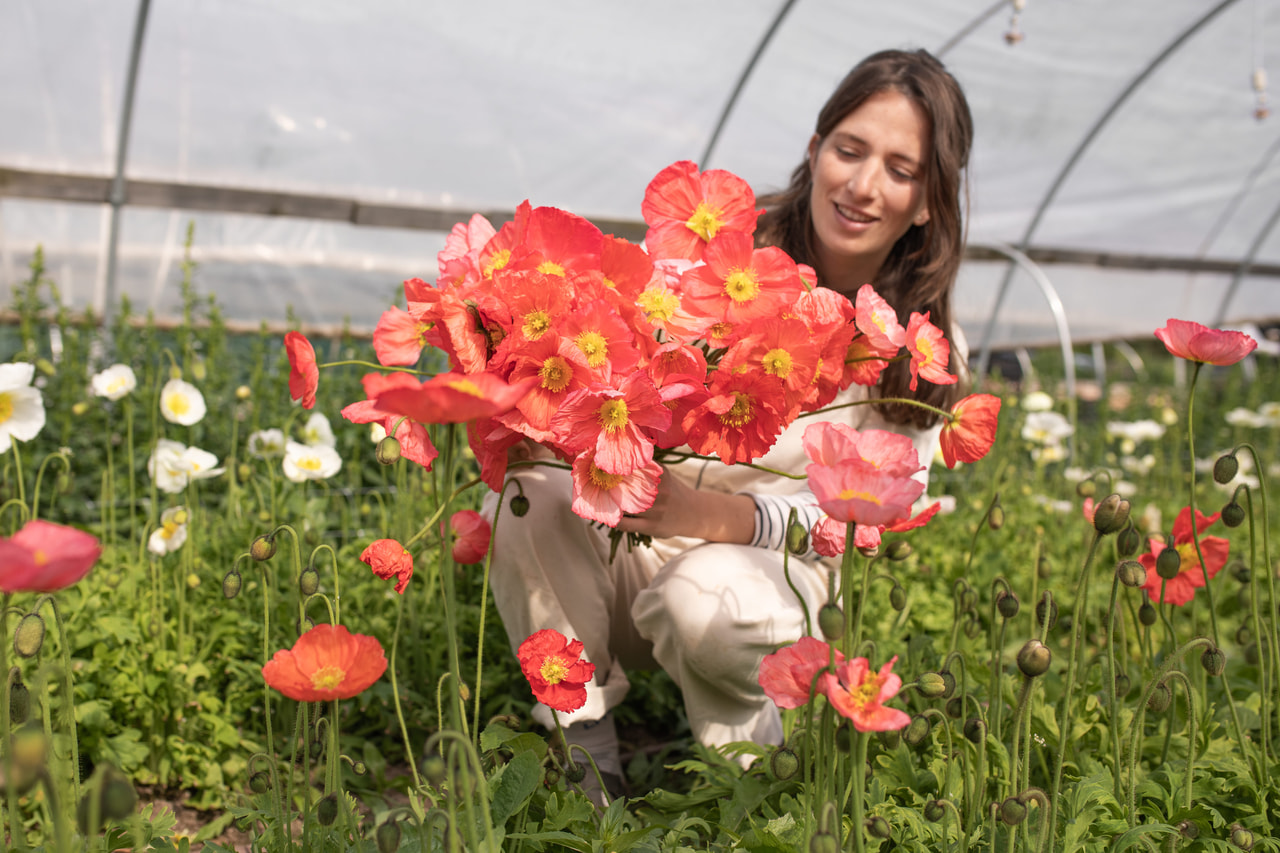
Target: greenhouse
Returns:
[[275, 379]]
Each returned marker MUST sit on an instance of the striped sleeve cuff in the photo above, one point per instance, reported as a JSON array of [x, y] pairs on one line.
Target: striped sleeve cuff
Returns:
[[772, 512]]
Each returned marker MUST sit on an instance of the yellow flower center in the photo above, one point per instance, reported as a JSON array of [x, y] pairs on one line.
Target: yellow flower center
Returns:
[[536, 324], [866, 692], [613, 415], [327, 678], [739, 413], [466, 386], [309, 463], [179, 404], [658, 304], [554, 669], [551, 268], [854, 494], [500, 259], [594, 347], [603, 479], [6, 406], [705, 221], [608, 282], [40, 557], [117, 384], [925, 346], [169, 529], [720, 331], [777, 362], [741, 285], [555, 373], [1187, 552]]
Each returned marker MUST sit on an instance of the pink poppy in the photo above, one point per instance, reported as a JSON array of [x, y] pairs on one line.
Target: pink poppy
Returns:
[[859, 694], [787, 675], [389, 559], [615, 423], [46, 557], [604, 497], [399, 337], [929, 350], [304, 374], [471, 532], [1194, 342]]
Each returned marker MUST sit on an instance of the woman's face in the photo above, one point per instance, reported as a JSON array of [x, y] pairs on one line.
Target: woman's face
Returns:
[[868, 187]]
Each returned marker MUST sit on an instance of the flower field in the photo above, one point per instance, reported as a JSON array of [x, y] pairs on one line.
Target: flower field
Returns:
[[248, 573]]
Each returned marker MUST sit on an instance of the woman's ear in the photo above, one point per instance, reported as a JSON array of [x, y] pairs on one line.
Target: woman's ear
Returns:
[[922, 218], [814, 142]]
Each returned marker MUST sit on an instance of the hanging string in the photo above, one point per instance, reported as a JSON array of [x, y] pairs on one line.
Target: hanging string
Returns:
[[1260, 108], [1014, 35]]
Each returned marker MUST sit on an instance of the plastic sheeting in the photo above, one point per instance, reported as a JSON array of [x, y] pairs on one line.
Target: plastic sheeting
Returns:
[[471, 106]]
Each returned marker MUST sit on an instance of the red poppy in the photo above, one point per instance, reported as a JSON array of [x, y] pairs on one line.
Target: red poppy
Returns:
[[739, 420], [971, 430], [389, 559], [555, 669], [304, 375], [1182, 588], [327, 662], [1194, 342], [685, 208], [929, 350], [471, 532], [450, 398], [857, 693], [46, 557], [399, 337], [782, 348], [787, 674], [614, 422], [739, 283]]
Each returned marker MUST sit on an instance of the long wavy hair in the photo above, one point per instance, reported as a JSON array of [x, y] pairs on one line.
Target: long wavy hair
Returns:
[[920, 272]]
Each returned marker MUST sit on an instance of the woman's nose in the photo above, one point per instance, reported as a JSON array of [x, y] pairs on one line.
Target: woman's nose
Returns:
[[862, 181]]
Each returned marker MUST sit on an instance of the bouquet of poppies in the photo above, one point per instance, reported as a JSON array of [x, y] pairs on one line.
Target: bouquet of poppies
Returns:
[[610, 354]]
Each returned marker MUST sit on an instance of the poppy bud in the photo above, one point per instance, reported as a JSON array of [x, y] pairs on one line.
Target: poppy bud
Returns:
[[19, 702], [359, 768], [1131, 573], [1034, 658], [317, 748], [878, 827], [1225, 469], [551, 776], [831, 622], [931, 685], [797, 538], [1243, 635], [869, 551], [309, 581], [898, 598], [1241, 837], [1233, 514], [79, 408], [917, 730], [263, 548], [1214, 661], [1160, 699], [388, 451], [1007, 604], [511, 721], [1044, 568], [575, 771], [949, 681], [824, 842], [955, 707], [118, 798], [387, 836], [327, 810], [898, 550], [1047, 608], [260, 782], [29, 636], [1110, 515], [1086, 488], [995, 518], [1122, 685], [1242, 573], [934, 811], [1128, 541], [244, 471], [193, 581], [1188, 830], [783, 764], [231, 584], [519, 506], [1147, 614], [1013, 811], [972, 626], [1168, 563], [975, 730]]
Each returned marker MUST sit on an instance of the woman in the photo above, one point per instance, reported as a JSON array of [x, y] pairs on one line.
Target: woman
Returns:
[[876, 200]]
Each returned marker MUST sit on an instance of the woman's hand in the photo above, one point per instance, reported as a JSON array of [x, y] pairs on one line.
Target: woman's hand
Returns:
[[679, 510]]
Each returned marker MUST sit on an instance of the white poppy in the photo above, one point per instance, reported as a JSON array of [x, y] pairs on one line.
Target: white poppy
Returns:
[[1037, 401], [1270, 414], [114, 383], [181, 403], [1052, 452], [171, 533], [304, 462], [21, 406], [1245, 418], [1136, 431], [1046, 428], [317, 432], [267, 443], [173, 465]]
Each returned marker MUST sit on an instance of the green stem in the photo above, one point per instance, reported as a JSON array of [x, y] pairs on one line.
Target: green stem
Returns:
[[859, 790], [17, 473], [17, 834], [395, 694], [69, 708], [1112, 703]]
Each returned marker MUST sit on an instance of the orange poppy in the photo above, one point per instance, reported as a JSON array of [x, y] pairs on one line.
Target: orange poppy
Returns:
[[327, 662]]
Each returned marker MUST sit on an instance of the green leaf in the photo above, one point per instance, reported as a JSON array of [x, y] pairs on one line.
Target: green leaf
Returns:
[[512, 785], [494, 736]]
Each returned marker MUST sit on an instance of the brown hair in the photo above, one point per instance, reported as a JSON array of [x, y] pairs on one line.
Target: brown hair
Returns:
[[920, 272]]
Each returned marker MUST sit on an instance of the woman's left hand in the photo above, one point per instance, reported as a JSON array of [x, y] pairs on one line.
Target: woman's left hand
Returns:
[[679, 510]]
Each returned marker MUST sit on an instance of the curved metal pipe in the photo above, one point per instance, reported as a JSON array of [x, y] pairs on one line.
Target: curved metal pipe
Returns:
[[117, 197], [1245, 264], [1070, 164], [742, 81]]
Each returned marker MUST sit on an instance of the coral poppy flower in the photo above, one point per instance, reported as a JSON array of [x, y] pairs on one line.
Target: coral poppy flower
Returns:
[[968, 435], [555, 669], [857, 693], [471, 532], [389, 559], [828, 535], [304, 374], [828, 443], [450, 398], [613, 422], [46, 557], [929, 350], [858, 491], [604, 497], [1194, 342], [739, 420], [685, 209], [459, 260], [740, 283], [399, 337], [1182, 588], [489, 441], [327, 662], [627, 267], [787, 674], [605, 340], [455, 326], [782, 348], [560, 368], [877, 320]]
